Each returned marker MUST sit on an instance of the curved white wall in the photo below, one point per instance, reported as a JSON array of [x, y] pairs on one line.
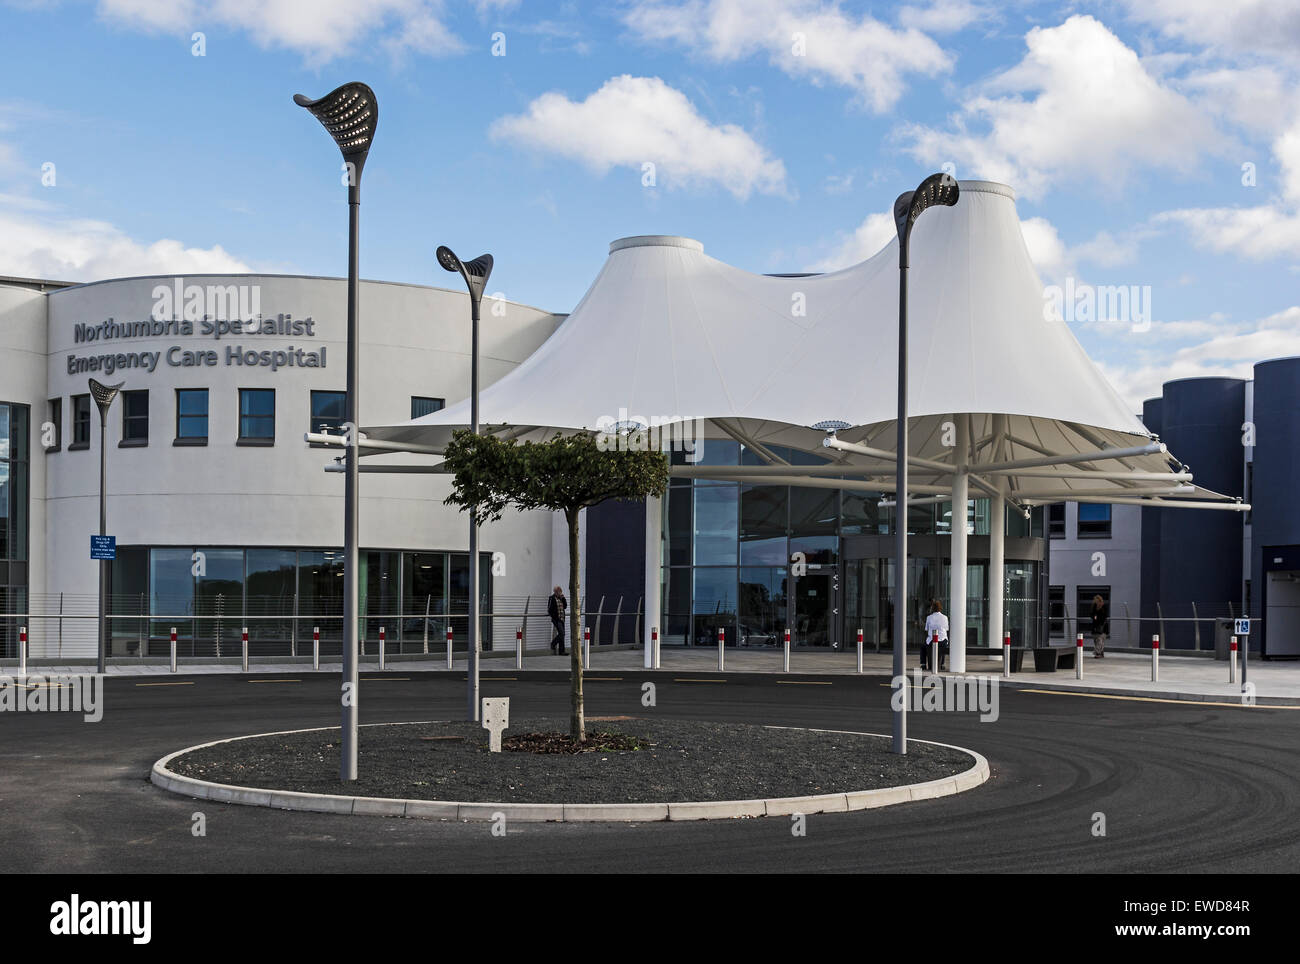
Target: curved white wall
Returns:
[[415, 341]]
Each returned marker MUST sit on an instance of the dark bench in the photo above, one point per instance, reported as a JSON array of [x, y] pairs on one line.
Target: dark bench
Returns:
[[1047, 659]]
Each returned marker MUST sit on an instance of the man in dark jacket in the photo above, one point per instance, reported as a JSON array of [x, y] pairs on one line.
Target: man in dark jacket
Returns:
[[555, 608], [1100, 627]]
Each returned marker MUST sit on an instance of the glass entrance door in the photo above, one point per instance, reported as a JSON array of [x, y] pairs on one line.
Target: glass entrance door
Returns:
[[814, 622]]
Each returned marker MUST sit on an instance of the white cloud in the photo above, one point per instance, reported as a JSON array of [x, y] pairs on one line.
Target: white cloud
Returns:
[[1231, 351], [1080, 104], [861, 53], [943, 16], [869, 237], [1242, 26], [630, 121], [88, 250], [322, 30]]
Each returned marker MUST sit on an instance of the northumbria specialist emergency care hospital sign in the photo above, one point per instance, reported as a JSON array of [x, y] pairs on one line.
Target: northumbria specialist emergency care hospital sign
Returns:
[[214, 312]]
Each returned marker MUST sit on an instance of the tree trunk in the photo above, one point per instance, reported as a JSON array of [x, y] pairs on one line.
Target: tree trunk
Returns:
[[577, 722]]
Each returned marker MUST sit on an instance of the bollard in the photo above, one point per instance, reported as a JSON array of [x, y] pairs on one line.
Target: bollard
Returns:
[[859, 651], [785, 663], [449, 647], [654, 644], [1232, 660], [934, 652], [243, 637], [1155, 658], [722, 643], [22, 650], [173, 649], [1006, 655], [315, 647], [1078, 656], [519, 648], [382, 662], [586, 646]]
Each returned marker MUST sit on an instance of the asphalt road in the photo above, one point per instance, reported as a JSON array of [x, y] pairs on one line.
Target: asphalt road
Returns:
[[1182, 788]]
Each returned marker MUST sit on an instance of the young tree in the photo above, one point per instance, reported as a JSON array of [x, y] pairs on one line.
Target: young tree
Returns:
[[565, 474]]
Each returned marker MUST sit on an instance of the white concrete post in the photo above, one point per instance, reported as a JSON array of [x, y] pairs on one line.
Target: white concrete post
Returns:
[[722, 644], [22, 650], [1232, 660], [519, 648], [173, 641], [1155, 659], [859, 650], [243, 637], [315, 647], [785, 661], [957, 582], [1006, 655], [1078, 656], [654, 509], [997, 563], [382, 647]]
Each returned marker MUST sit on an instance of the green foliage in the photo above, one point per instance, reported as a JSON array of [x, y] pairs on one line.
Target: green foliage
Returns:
[[565, 474]]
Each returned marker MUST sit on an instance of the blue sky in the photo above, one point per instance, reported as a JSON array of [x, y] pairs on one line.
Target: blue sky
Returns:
[[1151, 142]]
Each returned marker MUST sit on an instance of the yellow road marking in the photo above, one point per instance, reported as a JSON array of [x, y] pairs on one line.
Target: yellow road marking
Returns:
[[603, 679], [380, 679], [804, 682], [187, 683], [274, 681], [676, 680], [1157, 699]]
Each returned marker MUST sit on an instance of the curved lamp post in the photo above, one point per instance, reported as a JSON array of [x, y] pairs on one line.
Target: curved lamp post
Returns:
[[935, 190], [103, 396], [349, 114], [476, 274]]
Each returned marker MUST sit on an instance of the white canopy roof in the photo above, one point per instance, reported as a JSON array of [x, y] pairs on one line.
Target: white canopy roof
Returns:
[[665, 331]]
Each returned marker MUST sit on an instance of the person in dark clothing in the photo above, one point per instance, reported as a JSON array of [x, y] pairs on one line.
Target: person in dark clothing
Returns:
[[555, 608], [1100, 627]]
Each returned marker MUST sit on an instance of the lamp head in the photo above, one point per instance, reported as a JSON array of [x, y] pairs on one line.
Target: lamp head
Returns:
[[475, 273], [350, 115], [104, 394], [937, 190]]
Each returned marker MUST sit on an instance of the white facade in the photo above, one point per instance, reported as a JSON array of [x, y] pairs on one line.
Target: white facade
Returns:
[[227, 492]]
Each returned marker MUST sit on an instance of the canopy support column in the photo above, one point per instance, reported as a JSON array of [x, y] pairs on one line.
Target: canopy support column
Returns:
[[957, 579], [997, 568], [654, 515]]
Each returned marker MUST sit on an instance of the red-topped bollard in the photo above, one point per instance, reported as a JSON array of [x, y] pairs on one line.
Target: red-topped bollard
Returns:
[[586, 646], [382, 641], [1006, 654], [1078, 656], [22, 650], [315, 647], [243, 638], [173, 648], [654, 644], [859, 650], [785, 661], [1232, 660], [519, 648], [1155, 658], [722, 644], [449, 647]]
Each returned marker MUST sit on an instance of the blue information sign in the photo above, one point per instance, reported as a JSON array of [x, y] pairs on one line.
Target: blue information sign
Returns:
[[103, 547]]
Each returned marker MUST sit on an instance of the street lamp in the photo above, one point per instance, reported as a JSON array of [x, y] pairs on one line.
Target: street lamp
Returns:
[[103, 396], [476, 274], [349, 114], [937, 189]]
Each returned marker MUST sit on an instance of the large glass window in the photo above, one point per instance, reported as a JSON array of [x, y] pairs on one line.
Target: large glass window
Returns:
[[424, 597], [328, 411], [257, 415], [762, 605], [191, 415], [135, 417], [1056, 611], [80, 422], [716, 523], [270, 580], [1094, 520], [425, 406], [764, 516], [1056, 520]]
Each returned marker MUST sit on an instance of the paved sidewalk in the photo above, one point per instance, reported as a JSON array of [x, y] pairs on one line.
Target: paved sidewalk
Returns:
[[1181, 677]]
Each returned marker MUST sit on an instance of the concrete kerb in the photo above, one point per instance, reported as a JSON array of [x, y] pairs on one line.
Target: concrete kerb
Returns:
[[1176, 696], [165, 778]]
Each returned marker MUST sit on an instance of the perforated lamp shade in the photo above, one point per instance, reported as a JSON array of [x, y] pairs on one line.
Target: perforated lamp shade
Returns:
[[350, 115], [475, 273], [104, 394]]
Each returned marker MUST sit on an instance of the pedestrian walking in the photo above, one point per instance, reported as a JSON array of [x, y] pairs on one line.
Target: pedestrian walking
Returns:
[[1100, 627], [556, 606], [936, 626]]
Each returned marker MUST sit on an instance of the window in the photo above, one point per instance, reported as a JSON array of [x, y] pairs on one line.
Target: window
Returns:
[[425, 406], [191, 416], [328, 410], [1056, 610], [1094, 520], [1056, 520], [256, 416], [56, 419], [80, 422], [135, 418]]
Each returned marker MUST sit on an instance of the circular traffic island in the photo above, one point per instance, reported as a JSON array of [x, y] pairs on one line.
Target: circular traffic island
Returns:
[[627, 769]]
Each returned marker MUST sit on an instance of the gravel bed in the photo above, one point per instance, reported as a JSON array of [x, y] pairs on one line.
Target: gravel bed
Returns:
[[681, 760]]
